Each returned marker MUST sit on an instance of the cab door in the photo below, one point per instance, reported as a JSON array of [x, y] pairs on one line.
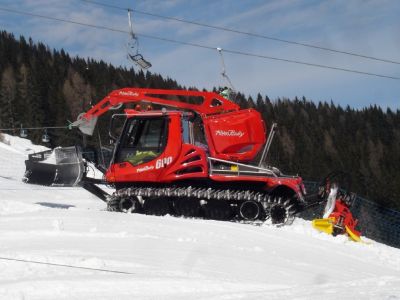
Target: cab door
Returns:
[[141, 146]]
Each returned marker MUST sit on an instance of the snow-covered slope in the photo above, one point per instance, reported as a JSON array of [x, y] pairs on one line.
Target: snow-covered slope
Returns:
[[94, 254]]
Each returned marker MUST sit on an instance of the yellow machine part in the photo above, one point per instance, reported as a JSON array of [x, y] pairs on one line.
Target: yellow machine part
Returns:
[[352, 235], [324, 225]]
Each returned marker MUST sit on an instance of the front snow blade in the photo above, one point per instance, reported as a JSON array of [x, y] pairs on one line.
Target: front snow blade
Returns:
[[57, 167]]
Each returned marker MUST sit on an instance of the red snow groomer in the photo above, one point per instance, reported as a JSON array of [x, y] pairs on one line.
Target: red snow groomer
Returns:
[[193, 156]]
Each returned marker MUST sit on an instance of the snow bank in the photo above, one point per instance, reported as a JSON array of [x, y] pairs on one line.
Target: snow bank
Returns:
[[59, 243], [20, 145]]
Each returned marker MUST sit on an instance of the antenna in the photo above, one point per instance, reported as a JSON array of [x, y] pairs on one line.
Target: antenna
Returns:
[[133, 47]]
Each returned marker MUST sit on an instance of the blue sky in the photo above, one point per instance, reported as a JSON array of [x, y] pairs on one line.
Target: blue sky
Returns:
[[369, 27]]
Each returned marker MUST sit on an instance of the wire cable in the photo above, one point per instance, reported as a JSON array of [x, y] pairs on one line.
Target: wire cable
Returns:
[[34, 128], [270, 57], [256, 35], [61, 20], [65, 265], [199, 45]]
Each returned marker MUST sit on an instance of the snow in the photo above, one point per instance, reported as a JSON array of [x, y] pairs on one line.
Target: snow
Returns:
[[60, 243]]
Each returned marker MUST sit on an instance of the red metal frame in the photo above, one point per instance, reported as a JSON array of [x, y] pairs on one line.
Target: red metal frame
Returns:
[[135, 95]]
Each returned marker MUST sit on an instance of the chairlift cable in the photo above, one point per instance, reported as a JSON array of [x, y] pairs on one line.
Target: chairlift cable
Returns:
[[256, 35], [201, 46], [34, 128], [270, 57]]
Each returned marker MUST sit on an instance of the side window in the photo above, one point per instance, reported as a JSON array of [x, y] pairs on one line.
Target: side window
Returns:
[[198, 134], [193, 133], [143, 140], [186, 131]]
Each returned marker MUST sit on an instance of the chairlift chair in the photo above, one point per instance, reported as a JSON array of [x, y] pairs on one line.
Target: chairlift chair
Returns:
[[45, 137], [133, 47], [140, 61]]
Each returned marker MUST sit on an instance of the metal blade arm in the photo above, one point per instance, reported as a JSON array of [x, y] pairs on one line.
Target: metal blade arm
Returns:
[[210, 103]]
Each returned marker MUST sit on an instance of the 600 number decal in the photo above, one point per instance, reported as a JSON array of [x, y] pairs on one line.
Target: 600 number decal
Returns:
[[163, 162]]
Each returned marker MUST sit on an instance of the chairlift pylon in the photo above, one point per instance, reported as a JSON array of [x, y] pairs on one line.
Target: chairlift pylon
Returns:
[[23, 132]]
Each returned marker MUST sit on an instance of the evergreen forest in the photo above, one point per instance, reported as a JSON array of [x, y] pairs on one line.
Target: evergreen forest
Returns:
[[45, 87]]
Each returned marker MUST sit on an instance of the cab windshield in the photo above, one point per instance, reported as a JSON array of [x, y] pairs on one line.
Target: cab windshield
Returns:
[[143, 140]]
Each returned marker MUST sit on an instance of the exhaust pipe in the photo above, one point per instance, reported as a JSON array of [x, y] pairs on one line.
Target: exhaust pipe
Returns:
[[249, 210]]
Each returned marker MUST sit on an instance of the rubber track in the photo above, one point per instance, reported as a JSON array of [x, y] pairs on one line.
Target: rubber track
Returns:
[[266, 200]]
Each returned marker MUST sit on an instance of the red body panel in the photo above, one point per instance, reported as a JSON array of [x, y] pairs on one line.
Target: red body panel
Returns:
[[191, 163], [293, 183], [236, 136], [178, 161]]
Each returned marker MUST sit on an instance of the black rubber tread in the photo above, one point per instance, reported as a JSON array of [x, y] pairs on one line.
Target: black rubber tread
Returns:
[[218, 204], [218, 210], [156, 206], [187, 207]]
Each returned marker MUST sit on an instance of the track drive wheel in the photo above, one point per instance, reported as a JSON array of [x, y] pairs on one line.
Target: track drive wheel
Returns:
[[280, 212], [129, 205], [250, 210]]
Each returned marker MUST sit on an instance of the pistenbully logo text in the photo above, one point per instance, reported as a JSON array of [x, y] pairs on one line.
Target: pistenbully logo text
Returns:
[[229, 133], [129, 93]]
